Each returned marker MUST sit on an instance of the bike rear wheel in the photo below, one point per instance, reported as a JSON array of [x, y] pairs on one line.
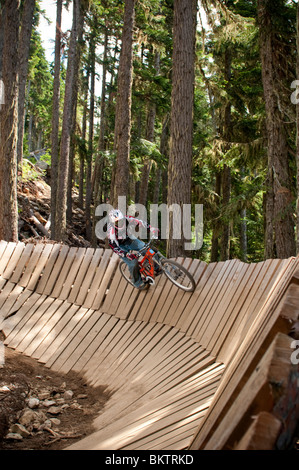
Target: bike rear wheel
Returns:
[[178, 275]]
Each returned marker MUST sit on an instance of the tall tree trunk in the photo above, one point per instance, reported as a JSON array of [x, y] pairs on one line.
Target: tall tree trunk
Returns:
[[122, 134], [25, 38], [63, 169], [280, 236], [216, 225], [69, 212], [9, 124], [92, 59], [1, 36], [82, 153], [164, 150], [150, 132], [226, 190], [55, 118], [182, 100], [226, 176], [99, 166], [150, 135], [297, 144]]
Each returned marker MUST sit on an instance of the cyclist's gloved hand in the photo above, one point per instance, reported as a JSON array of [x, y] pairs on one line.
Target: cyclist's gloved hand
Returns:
[[154, 233]]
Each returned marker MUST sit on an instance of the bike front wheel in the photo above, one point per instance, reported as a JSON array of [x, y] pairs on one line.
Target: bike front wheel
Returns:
[[178, 275]]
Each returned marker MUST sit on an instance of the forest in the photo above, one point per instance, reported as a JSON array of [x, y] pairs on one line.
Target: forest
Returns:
[[198, 105]]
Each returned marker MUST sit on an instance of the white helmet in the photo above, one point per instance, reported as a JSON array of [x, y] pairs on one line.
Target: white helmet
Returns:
[[117, 218]]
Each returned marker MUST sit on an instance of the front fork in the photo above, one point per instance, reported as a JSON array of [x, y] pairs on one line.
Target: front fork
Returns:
[[147, 265]]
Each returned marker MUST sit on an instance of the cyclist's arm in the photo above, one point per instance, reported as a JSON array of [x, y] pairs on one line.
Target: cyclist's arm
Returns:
[[154, 231]]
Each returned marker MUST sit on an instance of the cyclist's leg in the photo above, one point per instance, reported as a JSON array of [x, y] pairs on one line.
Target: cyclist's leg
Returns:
[[133, 264], [136, 245]]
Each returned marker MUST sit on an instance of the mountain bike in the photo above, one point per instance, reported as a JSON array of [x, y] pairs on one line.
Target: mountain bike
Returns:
[[152, 264]]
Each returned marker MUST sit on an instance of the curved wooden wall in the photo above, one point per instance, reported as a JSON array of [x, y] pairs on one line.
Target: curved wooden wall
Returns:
[[169, 358]]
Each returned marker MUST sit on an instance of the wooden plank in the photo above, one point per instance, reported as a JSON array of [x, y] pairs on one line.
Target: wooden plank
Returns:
[[152, 334], [64, 274], [2, 283], [162, 429], [9, 249], [136, 395], [27, 332], [69, 321], [262, 433], [197, 270], [111, 362], [104, 347], [106, 283], [178, 439], [114, 294], [78, 342], [133, 346], [105, 358], [11, 299], [33, 260], [11, 266], [10, 308], [40, 266], [22, 262], [220, 289], [259, 298], [253, 303], [149, 419], [83, 348], [96, 339], [9, 286], [37, 333], [125, 306], [266, 287], [56, 264], [80, 270], [240, 362], [172, 342], [182, 369], [11, 323], [3, 245], [228, 343], [48, 268], [88, 278], [76, 274], [168, 292], [98, 277], [217, 317], [186, 323], [145, 305], [274, 368], [18, 321], [139, 304], [52, 328], [176, 295]]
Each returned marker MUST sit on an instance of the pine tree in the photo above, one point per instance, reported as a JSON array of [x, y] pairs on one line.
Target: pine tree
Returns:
[[182, 101], [9, 123], [280, 235], [122, 131]]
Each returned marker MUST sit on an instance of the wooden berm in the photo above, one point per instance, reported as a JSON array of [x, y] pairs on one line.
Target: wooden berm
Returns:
[[215, 369]]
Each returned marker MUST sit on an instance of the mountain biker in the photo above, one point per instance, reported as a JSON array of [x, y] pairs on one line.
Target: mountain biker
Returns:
[[122, 240]]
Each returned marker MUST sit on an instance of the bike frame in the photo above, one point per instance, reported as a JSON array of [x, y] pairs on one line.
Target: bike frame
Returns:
[[147, 270]]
